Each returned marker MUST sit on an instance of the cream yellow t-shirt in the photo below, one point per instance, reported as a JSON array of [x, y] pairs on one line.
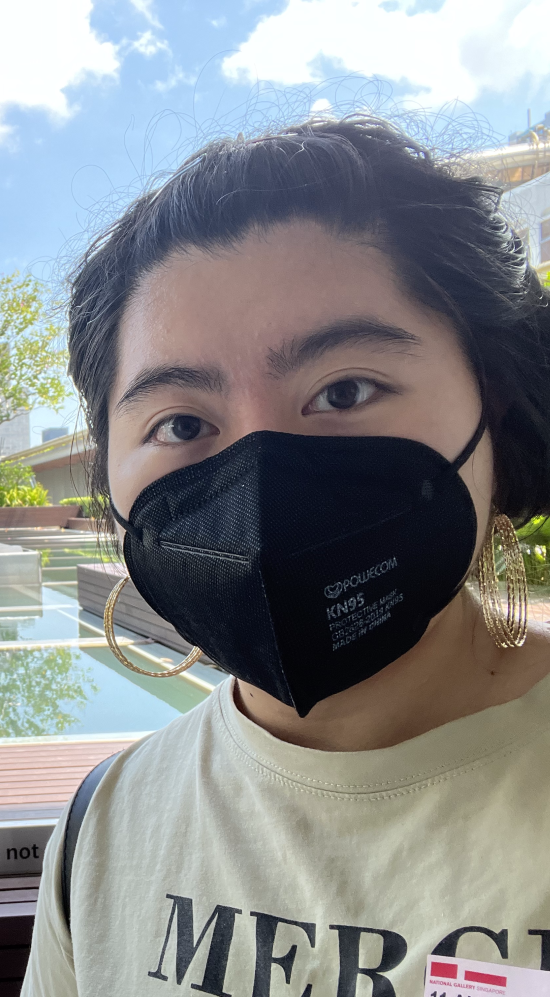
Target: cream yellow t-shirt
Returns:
[[216, 859]]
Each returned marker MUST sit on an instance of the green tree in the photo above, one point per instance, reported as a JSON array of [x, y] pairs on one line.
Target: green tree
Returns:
[[33, 357], [41, 691]]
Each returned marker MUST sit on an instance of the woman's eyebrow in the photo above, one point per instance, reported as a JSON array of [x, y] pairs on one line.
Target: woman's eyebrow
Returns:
[[301, 350], [204, 378]]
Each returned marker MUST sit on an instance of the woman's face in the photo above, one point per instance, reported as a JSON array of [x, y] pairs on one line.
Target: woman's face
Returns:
[[295, 330]]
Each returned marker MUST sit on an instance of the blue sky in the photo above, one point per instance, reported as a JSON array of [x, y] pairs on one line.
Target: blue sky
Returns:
[[95, 96]]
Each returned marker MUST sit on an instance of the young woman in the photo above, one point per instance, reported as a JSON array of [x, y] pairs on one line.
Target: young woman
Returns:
[[316, 366]]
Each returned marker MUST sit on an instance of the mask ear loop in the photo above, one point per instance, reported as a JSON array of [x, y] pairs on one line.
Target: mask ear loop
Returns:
[[468, 450], [123, 522], [195, 652], [427, 488]]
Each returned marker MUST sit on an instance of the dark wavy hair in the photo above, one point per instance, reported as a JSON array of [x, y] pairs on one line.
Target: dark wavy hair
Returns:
[[442, 231]]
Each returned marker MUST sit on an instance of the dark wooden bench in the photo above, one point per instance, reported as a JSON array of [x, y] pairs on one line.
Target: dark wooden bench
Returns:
[[18, 895]]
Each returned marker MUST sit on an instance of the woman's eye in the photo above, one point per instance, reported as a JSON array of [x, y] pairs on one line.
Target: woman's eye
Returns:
[[182, 429], [343, 394]]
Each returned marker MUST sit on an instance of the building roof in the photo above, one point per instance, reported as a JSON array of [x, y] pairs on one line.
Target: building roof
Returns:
[[64, 450], [514, 164]]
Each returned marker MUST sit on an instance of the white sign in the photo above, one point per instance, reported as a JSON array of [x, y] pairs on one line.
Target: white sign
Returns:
[[446, 977], [22, 845]]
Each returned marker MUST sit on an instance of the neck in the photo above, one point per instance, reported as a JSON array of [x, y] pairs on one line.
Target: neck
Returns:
[[455, 670]]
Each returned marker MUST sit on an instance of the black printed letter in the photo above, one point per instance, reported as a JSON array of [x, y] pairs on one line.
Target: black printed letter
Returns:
[[544, 946], [393, 952], [266, 929], [186, 947], [448, 945]]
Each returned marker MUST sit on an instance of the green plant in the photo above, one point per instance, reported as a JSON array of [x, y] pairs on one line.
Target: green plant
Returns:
[[534, 539], [18, 486], [33, 357], [89, 506], [536, 531], [24, 495], [12, 474]]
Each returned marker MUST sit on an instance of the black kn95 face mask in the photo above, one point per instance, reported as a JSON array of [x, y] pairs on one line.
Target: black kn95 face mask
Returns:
[[304, 564]]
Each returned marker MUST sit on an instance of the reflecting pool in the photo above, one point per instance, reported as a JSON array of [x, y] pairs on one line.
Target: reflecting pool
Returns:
[[58, 677]]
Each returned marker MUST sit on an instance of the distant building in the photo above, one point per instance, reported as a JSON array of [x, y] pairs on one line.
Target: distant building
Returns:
[[526, 157], [15, 434], [513, 165], [59, 465], [533, 133], [53, 432]]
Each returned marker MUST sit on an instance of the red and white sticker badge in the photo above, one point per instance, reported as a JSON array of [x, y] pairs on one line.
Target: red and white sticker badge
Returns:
[[467, 978]]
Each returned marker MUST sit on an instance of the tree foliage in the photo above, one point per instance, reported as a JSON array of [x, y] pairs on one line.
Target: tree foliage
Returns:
[[33, 357], [42, 691]]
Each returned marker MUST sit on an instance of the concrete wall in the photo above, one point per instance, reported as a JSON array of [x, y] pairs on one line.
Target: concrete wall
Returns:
[[15, 434], [62, 482]]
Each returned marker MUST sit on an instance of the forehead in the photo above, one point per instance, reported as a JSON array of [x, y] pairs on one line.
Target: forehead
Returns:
[[241, 301]]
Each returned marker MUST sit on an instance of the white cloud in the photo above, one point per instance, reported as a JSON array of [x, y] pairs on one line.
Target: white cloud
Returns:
[[218, 22], [175, 78], [148, 44], [145, 7], [464, 48], [44, 48], [320, 105], [7, 136]]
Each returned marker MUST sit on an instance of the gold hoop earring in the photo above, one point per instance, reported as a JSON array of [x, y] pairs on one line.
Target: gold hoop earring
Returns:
[[192, 657], [507, 628]]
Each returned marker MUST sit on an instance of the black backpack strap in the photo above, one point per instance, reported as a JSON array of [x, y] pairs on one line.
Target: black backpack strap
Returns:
[[79, 806]]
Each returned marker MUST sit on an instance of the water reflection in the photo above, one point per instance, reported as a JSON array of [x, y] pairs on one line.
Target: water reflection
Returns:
[[52, 688], [42, 691]]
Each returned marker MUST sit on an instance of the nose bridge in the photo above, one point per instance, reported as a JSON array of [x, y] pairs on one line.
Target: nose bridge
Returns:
[[260, 403]]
